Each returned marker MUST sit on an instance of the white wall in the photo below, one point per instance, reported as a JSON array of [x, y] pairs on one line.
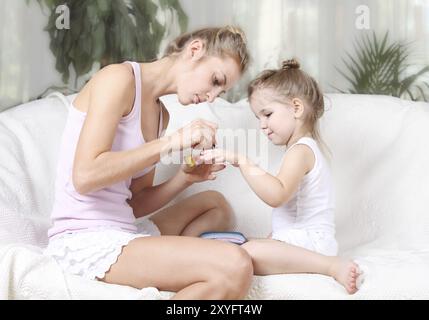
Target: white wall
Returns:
[[27, 66]]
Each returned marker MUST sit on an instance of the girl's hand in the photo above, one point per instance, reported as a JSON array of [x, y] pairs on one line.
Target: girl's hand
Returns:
[[198, 134], [202, 172], [220, 156]]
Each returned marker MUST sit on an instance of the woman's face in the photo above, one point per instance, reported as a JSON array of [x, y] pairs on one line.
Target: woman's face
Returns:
[[276, 119], [206, 79]]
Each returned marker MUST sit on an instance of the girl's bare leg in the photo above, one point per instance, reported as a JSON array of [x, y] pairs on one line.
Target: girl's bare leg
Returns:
[[194, 268], [275, 257], [205, 211]]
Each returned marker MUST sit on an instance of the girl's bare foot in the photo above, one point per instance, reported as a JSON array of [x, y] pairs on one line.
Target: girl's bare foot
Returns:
[[345, 272]]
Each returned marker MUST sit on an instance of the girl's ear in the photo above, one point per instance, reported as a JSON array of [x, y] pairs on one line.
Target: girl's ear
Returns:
[[298, 108], [195, 49]]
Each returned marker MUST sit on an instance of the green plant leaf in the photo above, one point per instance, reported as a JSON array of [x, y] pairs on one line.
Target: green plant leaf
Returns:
[[107, 31], [407, 82], [422, 93], [378, 67]]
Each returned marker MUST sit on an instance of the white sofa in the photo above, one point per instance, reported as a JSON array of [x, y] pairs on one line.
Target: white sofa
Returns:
[[380, 157]]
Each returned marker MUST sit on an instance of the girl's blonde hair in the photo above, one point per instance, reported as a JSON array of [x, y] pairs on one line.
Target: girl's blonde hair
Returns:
[[291, 82], [225, 41]]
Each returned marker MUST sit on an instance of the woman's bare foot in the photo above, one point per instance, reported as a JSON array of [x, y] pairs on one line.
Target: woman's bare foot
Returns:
[[345, 272]]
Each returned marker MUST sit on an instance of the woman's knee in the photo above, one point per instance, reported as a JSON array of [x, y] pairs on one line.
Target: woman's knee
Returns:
[[251, 247], [213, 198], [224, 213], [236, 273]]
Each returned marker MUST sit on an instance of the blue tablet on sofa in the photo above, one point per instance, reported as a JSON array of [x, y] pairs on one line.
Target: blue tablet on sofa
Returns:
[[230, 236]]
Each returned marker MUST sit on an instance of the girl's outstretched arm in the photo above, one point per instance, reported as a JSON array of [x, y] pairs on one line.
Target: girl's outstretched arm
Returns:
[[273, 190]]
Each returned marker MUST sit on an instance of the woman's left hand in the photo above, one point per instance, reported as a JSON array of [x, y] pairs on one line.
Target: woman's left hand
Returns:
[[201, 172]]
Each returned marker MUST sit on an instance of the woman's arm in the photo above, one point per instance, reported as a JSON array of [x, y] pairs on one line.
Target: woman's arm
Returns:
[[151, 198], [95, 165], [273, 190], [147, 198]]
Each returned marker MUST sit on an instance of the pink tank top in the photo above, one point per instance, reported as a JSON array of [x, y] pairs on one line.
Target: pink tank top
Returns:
[[107, 207]]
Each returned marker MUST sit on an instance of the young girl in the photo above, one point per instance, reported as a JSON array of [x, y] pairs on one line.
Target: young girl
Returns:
[[288, 104], [111, 143]]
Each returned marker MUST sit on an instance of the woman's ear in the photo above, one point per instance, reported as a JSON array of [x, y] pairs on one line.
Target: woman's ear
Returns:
[[195, 49], [298, 108]]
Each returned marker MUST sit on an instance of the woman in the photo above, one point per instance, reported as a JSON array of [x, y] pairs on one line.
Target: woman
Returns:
[[111, 143]]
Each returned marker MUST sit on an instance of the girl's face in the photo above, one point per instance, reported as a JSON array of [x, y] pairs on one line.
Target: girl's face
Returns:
[[277, 120], [205, 77]]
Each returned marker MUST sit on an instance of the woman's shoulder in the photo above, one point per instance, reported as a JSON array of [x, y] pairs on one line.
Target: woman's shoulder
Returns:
[[111, 85], [114, 82], [120, 74]]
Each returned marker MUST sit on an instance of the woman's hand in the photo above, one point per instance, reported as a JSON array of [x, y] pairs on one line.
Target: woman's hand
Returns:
[[221, 156], [201, 172], [199, 134]]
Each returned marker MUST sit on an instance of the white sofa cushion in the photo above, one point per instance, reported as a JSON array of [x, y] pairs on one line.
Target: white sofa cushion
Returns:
[[29, 141]]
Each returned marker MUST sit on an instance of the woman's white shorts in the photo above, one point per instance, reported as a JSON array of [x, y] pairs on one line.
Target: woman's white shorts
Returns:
[[90, 253]]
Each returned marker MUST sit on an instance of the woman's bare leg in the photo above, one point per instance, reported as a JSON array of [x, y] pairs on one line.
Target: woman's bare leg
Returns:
[[275, 257], [205, 211], [194, 268]]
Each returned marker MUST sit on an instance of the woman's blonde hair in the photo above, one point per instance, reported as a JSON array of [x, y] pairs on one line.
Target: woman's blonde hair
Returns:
[[225, 41], [291, 82]]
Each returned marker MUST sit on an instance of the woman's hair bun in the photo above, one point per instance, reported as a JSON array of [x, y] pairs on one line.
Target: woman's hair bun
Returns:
[[290, 64]]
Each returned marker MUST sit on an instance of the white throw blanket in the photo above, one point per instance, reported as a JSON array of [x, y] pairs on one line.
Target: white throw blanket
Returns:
[[380, 152], [27, 274]]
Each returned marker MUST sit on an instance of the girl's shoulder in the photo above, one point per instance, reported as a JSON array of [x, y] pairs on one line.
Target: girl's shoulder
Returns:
[[302, 154], [306, 143]]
